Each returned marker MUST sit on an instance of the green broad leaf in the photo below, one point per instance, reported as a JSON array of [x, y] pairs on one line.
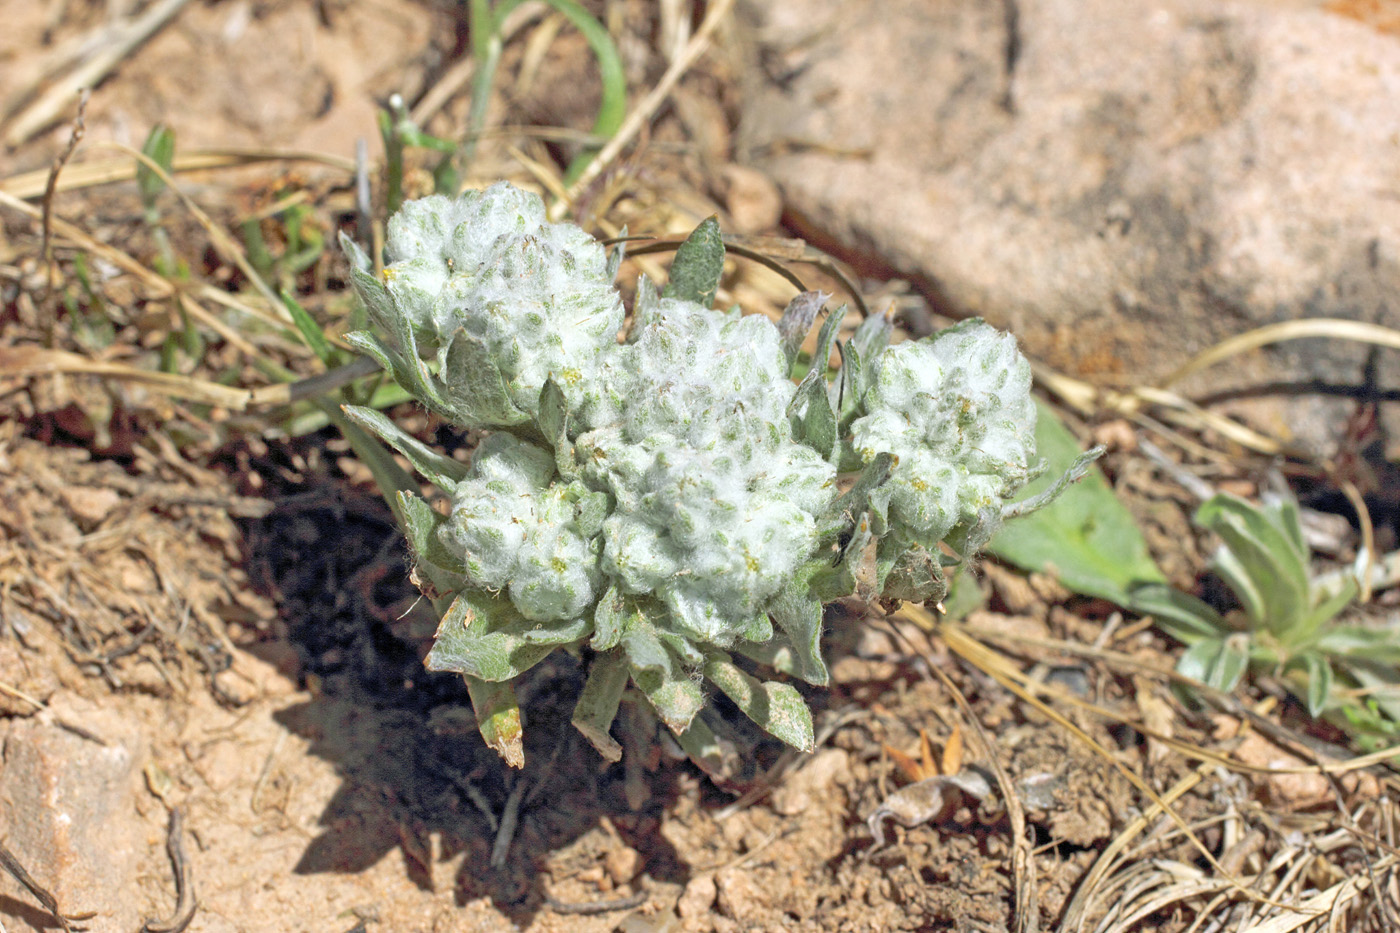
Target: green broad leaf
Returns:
[[1233, 662], [1285, 514], [609, 620], [473, 390], [440, 470], [870, 340], [779, 653], [1086, 537], [662, 665], [421, 523], [856, 501], [851, 573], [965, 595], [1180, 615], [1269, 557], [311, 332], [1328, 605], [408, 371], [777, 708], [716, 756], [597, 704], [1241, 582], [759, 629], [913, 574], [1319, 673], [486, 637], [498, 718], [850, 393], [554, 412], [617, 615], [698, 266], [1383, 682], [617, 254], [796, 322], [553, 422]]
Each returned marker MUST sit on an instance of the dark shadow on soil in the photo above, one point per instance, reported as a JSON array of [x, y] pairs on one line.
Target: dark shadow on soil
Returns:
[[36, 917], [403, 739]]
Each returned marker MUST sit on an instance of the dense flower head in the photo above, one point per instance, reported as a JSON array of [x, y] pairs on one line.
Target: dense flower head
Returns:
[[534, 299], [714, 500], [515, 528], [956, 411]]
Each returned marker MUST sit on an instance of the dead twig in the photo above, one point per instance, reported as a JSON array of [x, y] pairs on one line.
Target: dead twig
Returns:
[[588, 908], [121, 42], [46, 244], [638, 118], [185, 902], [510, 817]]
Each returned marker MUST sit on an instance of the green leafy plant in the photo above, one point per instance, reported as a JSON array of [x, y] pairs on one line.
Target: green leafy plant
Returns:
[[663, 504], [1086, 538], [1286, 625]]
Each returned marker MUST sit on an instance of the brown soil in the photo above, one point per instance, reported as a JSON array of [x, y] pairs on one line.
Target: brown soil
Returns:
[[229, 607]]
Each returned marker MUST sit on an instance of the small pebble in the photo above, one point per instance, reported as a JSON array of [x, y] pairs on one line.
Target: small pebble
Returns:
[[622, 864], [697, 899]]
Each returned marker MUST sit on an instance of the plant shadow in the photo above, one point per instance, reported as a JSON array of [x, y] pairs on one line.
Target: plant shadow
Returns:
[[415, 774]]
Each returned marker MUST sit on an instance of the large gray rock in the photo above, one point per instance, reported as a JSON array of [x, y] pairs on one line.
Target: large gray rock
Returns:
[[1121, 184]]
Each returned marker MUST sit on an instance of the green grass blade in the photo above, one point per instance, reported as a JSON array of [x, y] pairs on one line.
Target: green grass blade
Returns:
[[613, 107], [311, 332]]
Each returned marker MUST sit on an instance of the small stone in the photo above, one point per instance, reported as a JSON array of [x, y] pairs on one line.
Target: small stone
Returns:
[[697, 899], [90, 505], [854, 670], [739, 897], [234, 688], [814, 782], [29, 675], [622, 864]]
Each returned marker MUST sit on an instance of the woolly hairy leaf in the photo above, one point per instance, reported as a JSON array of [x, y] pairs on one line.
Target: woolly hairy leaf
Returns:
[[422, 522], [698, 266], [1264, 560], [797, 321], [484, 636], [443, 472], [777, 708], [498, 718], [597, 704]]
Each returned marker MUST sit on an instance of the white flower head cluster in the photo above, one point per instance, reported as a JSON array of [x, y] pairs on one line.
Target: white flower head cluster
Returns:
[[664, 501], [716, 505], [956, 411], [498, 297]]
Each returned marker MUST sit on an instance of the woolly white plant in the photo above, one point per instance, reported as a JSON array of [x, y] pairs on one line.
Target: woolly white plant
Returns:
[[662, 503]]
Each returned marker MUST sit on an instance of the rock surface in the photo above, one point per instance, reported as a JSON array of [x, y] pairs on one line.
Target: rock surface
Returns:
[[66, 806], [1121, 185]]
